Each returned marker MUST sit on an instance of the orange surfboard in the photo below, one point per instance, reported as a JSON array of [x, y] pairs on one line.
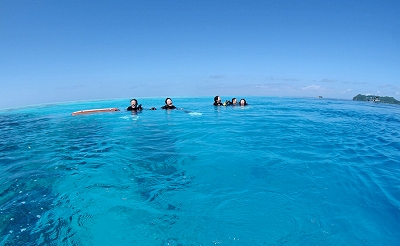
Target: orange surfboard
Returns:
[[93, 111]]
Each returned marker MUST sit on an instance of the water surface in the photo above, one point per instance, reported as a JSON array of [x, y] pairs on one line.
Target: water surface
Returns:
[[281, 171]]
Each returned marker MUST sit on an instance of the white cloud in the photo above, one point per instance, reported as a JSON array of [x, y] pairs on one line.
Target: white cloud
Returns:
[[269, 87], [328, 80], [312, 88], [282, 79]]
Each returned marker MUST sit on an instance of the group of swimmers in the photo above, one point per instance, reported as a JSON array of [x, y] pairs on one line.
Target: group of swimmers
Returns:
[[135, 107], [168, 104], [217, 102]]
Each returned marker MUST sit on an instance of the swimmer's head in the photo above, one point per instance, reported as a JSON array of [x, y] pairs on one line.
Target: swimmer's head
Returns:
[[133, 103], [242, 102], [168, 101], [217, 99]]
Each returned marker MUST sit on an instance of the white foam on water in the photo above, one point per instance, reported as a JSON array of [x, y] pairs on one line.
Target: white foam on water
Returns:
[[130, 117], [195, 114]]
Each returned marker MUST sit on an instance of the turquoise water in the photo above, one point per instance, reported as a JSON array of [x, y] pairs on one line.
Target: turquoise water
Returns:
[[281, 171]]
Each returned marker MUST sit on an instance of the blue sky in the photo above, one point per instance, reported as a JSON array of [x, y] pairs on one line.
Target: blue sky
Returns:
[[55, 51]]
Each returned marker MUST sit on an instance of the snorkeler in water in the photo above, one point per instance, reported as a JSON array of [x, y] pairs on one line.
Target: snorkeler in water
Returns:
[[230, 103], [242, 102], [168, 104], [217, 101], [134, 106]]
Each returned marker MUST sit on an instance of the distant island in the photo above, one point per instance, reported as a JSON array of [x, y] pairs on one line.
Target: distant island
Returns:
[[372, 98]]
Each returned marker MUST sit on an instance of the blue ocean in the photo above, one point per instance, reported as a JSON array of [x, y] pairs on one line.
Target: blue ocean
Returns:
[[280, 171]]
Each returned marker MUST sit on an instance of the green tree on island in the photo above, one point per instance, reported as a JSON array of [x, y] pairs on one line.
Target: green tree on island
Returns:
[[374, 98]]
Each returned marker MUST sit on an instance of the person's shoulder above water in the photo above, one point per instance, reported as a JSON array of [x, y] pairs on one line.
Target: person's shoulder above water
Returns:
[[138, 108], [168, 104], [168, 107]]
